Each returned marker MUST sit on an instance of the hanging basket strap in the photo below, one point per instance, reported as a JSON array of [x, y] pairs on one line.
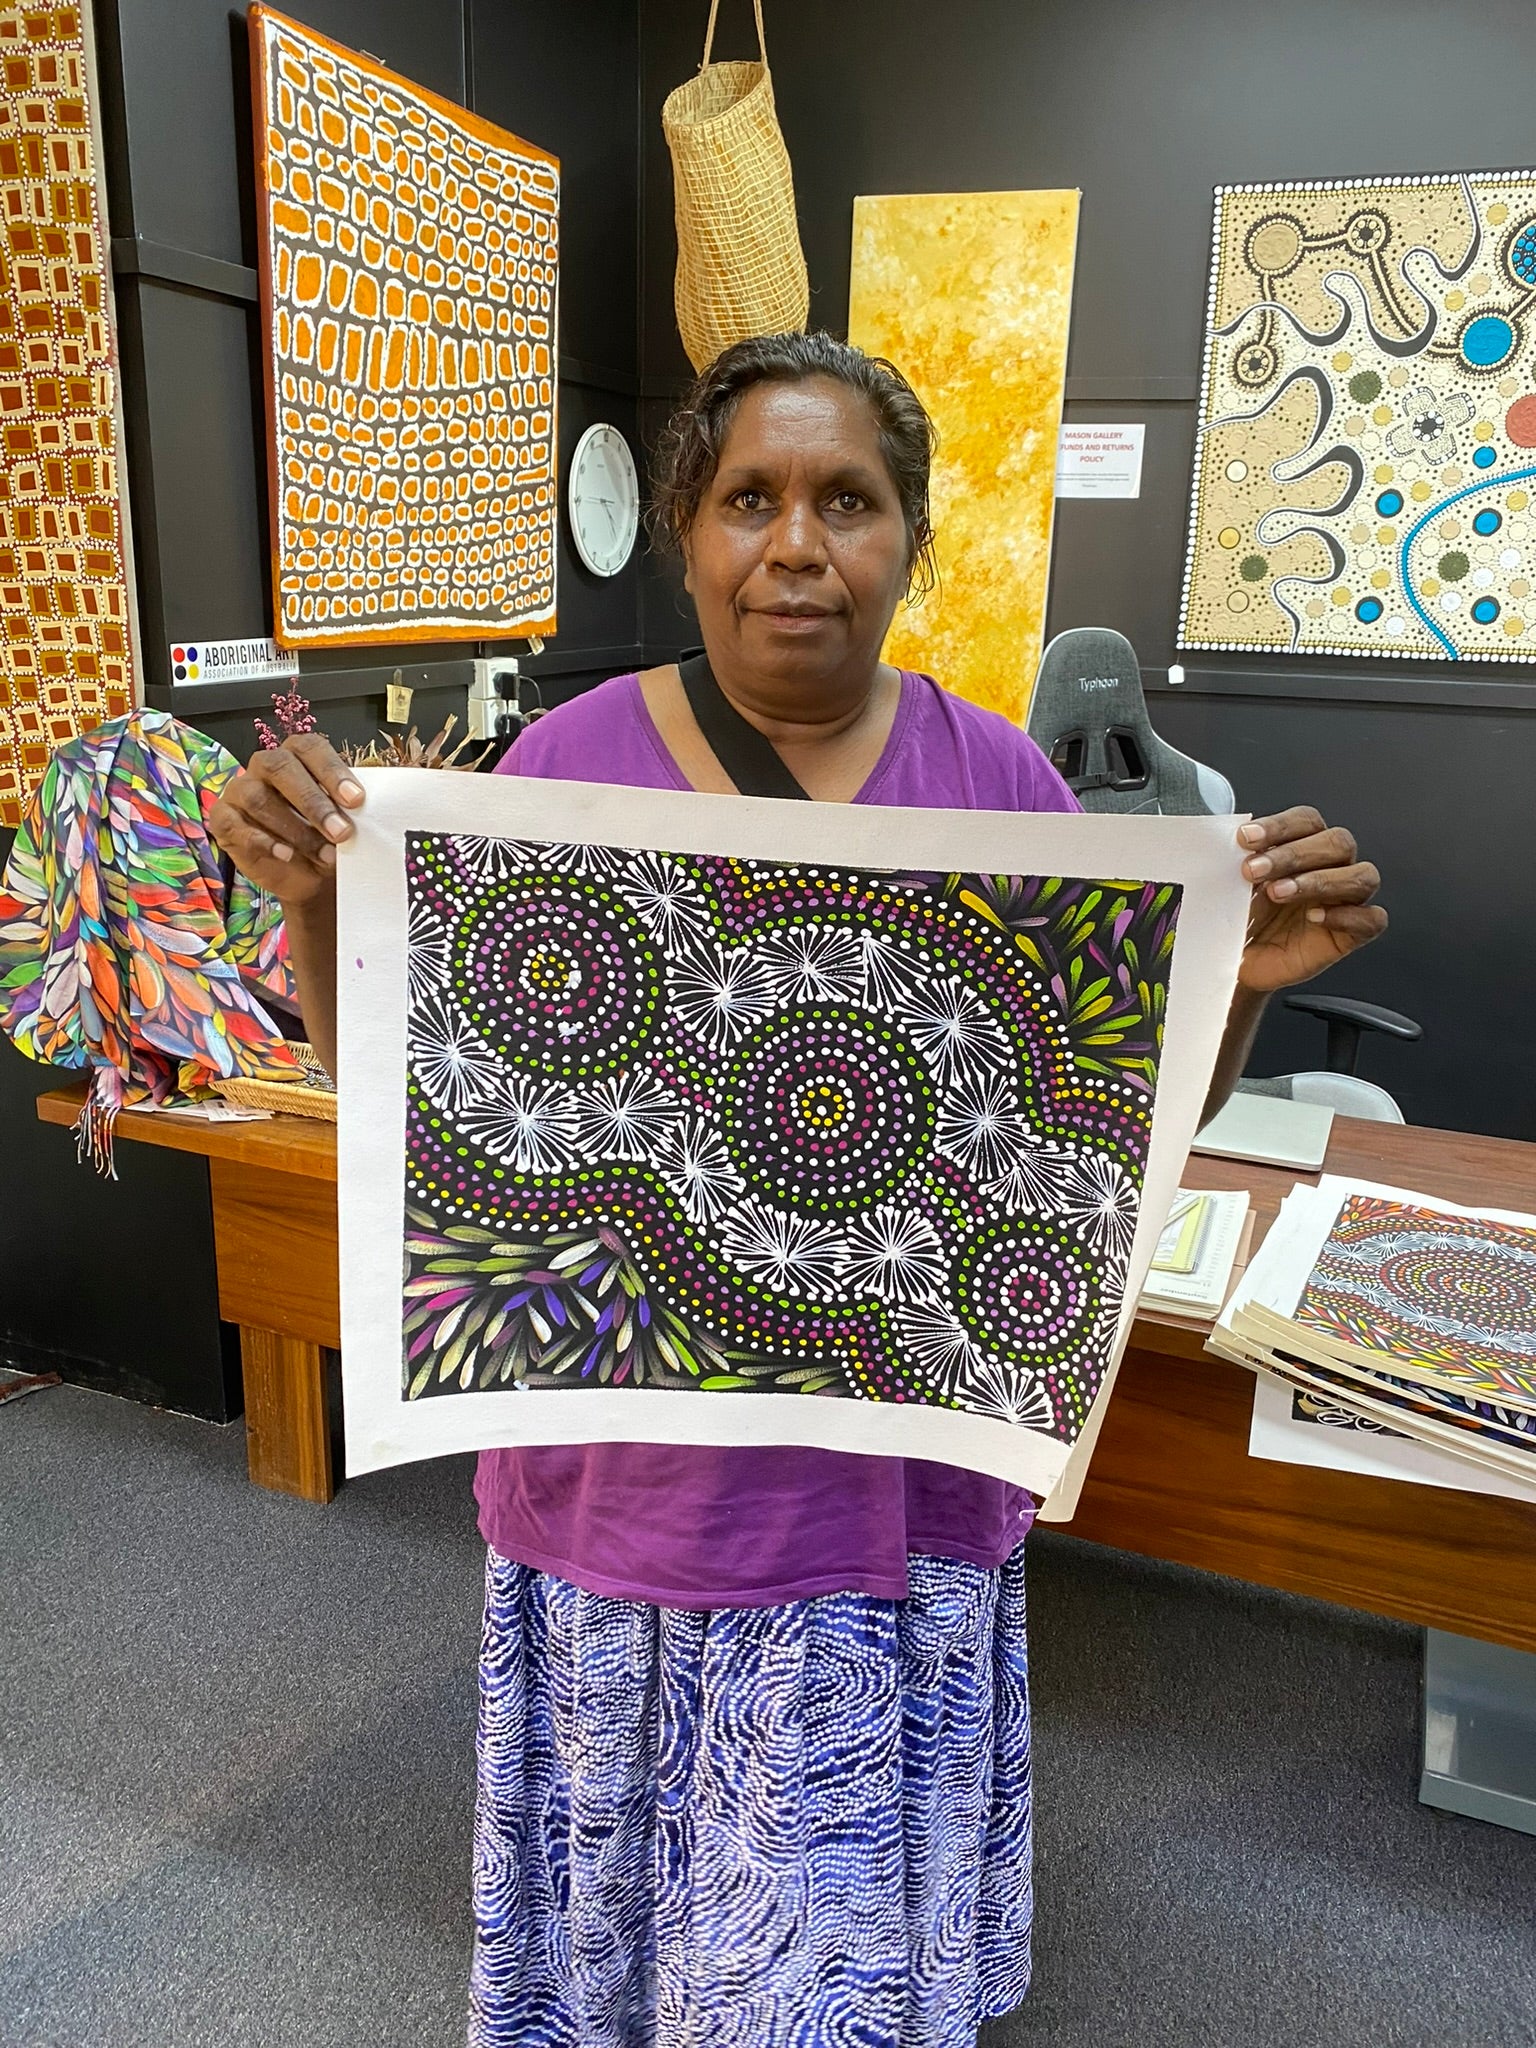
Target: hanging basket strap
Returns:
[[709, 33]]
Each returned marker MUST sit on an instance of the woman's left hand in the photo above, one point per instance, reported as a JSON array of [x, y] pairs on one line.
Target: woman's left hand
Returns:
[[1312, 899]]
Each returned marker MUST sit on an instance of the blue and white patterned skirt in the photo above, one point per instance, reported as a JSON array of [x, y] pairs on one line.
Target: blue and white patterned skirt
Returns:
[[804, 1826]]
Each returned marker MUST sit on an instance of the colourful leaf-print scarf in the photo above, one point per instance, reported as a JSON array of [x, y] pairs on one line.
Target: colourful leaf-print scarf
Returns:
[[128, 944]]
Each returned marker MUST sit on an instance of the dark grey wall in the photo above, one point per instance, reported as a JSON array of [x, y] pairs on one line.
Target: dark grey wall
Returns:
[[115, 1282], [1146, 107]]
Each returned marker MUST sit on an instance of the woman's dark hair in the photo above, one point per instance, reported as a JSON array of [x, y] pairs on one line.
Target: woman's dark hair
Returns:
[[688, 453]]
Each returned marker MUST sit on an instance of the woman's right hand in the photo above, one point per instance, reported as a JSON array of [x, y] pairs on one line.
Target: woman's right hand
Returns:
[[281, 819]]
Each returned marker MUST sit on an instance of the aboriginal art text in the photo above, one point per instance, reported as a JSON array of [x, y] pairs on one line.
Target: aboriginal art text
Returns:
[[1366, 463], [67, 664], [409, 271], [1449, 1292], [709, 1123]]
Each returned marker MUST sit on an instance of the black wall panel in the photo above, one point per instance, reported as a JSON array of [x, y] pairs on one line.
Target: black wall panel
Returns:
[[567, 77], [186, 99], [1146, 108]]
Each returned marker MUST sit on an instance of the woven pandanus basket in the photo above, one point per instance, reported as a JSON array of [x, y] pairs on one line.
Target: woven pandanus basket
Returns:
[[740, 268]]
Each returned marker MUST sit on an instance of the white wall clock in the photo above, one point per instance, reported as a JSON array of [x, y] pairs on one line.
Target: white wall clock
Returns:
[[603, 500]]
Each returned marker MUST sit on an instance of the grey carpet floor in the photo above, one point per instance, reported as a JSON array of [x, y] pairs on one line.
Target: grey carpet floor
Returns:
[[236, 1776]]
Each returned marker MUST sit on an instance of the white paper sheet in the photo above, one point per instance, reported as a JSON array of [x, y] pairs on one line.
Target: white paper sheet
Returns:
[[1276, 1434], [1199, 855]]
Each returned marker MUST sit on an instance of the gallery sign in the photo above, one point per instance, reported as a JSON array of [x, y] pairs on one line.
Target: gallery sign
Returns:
[[231, 661], [1100, 461]]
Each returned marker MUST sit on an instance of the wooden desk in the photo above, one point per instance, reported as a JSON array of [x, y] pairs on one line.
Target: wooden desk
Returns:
[[274, 1234], [1171, 1477]]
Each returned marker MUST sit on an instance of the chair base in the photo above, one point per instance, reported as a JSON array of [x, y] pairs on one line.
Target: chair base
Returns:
[[1479, 1730]]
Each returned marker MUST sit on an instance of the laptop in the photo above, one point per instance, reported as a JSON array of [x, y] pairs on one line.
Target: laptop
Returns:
[[1270, 1129]]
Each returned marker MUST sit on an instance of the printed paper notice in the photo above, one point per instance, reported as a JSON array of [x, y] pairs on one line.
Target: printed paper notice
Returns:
[[1099, 461]]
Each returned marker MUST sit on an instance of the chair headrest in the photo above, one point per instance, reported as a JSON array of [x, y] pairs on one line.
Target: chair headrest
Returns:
[[1088, 676], [1089, 716]]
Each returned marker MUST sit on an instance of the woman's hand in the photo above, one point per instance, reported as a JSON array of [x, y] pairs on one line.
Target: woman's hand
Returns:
[[280, 820], [1312, 900]]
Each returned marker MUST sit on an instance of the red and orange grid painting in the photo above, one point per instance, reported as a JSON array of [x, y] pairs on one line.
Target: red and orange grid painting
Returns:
[[409, 276], [65, 578]]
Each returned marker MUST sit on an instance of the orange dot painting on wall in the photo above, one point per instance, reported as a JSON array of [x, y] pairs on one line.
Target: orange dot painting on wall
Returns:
[[65, 572], [409, 275]]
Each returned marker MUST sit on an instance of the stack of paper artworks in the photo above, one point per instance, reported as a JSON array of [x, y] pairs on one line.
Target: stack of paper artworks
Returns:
[[1376, 1310], [1367, 448], [720, 1147], [1449, 1300], [409, 257], [65, 581], [969, 294], [1454, 1293]]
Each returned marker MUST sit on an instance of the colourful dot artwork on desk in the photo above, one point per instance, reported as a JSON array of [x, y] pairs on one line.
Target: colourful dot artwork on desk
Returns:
[[1365, 469], [1420, 1286], [718, 1124], [67, 663], [409, 274]]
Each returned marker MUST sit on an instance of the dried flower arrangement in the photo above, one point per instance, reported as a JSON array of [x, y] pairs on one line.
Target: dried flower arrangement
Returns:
[[410, 752]]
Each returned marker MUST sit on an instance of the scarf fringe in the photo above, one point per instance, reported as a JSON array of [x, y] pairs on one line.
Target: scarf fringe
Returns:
[[93, 1135]]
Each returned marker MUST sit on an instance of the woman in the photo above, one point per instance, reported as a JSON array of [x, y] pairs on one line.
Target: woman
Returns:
[[754, 1737]]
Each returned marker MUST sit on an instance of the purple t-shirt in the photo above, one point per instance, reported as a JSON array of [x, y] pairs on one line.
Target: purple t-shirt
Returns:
[[702, 1528]]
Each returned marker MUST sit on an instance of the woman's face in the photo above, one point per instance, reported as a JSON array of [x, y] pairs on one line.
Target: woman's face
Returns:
[[798, 553]]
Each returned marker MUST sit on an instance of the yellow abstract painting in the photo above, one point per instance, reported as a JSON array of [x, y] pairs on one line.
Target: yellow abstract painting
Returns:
[[969, 294]]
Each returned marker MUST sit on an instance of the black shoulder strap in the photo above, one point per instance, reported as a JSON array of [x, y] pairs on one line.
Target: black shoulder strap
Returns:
[[747, 756]]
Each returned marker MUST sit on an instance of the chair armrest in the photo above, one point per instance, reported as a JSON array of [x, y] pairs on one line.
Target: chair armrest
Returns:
[[1367, 1016]]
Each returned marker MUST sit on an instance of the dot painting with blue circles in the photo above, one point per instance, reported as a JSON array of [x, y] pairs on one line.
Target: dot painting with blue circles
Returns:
[[1367, 417], [703, 1124]]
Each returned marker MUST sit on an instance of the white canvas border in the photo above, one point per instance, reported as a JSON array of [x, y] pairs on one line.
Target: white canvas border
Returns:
[[1200, 854]]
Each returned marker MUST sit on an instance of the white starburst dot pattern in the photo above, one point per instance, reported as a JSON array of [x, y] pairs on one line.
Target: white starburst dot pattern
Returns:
[[531, 1125], [1102, 1202], [791, 1252], [895, 1254]]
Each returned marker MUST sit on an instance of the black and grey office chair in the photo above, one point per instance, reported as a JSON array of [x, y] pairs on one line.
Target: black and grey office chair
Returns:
[[1088, 715], [1338, 1085]]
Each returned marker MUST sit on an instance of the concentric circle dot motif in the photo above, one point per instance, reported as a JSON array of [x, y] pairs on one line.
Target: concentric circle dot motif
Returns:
[[1024, 1289], [1473, 1284], [557, 976], [828, 1109]]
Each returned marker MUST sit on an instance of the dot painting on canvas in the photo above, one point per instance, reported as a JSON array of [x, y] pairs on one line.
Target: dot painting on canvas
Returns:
[[409, 278], [1366, 461], [689, 1122]]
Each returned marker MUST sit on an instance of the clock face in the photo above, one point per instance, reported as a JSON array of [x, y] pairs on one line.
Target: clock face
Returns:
[[604, 500]]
